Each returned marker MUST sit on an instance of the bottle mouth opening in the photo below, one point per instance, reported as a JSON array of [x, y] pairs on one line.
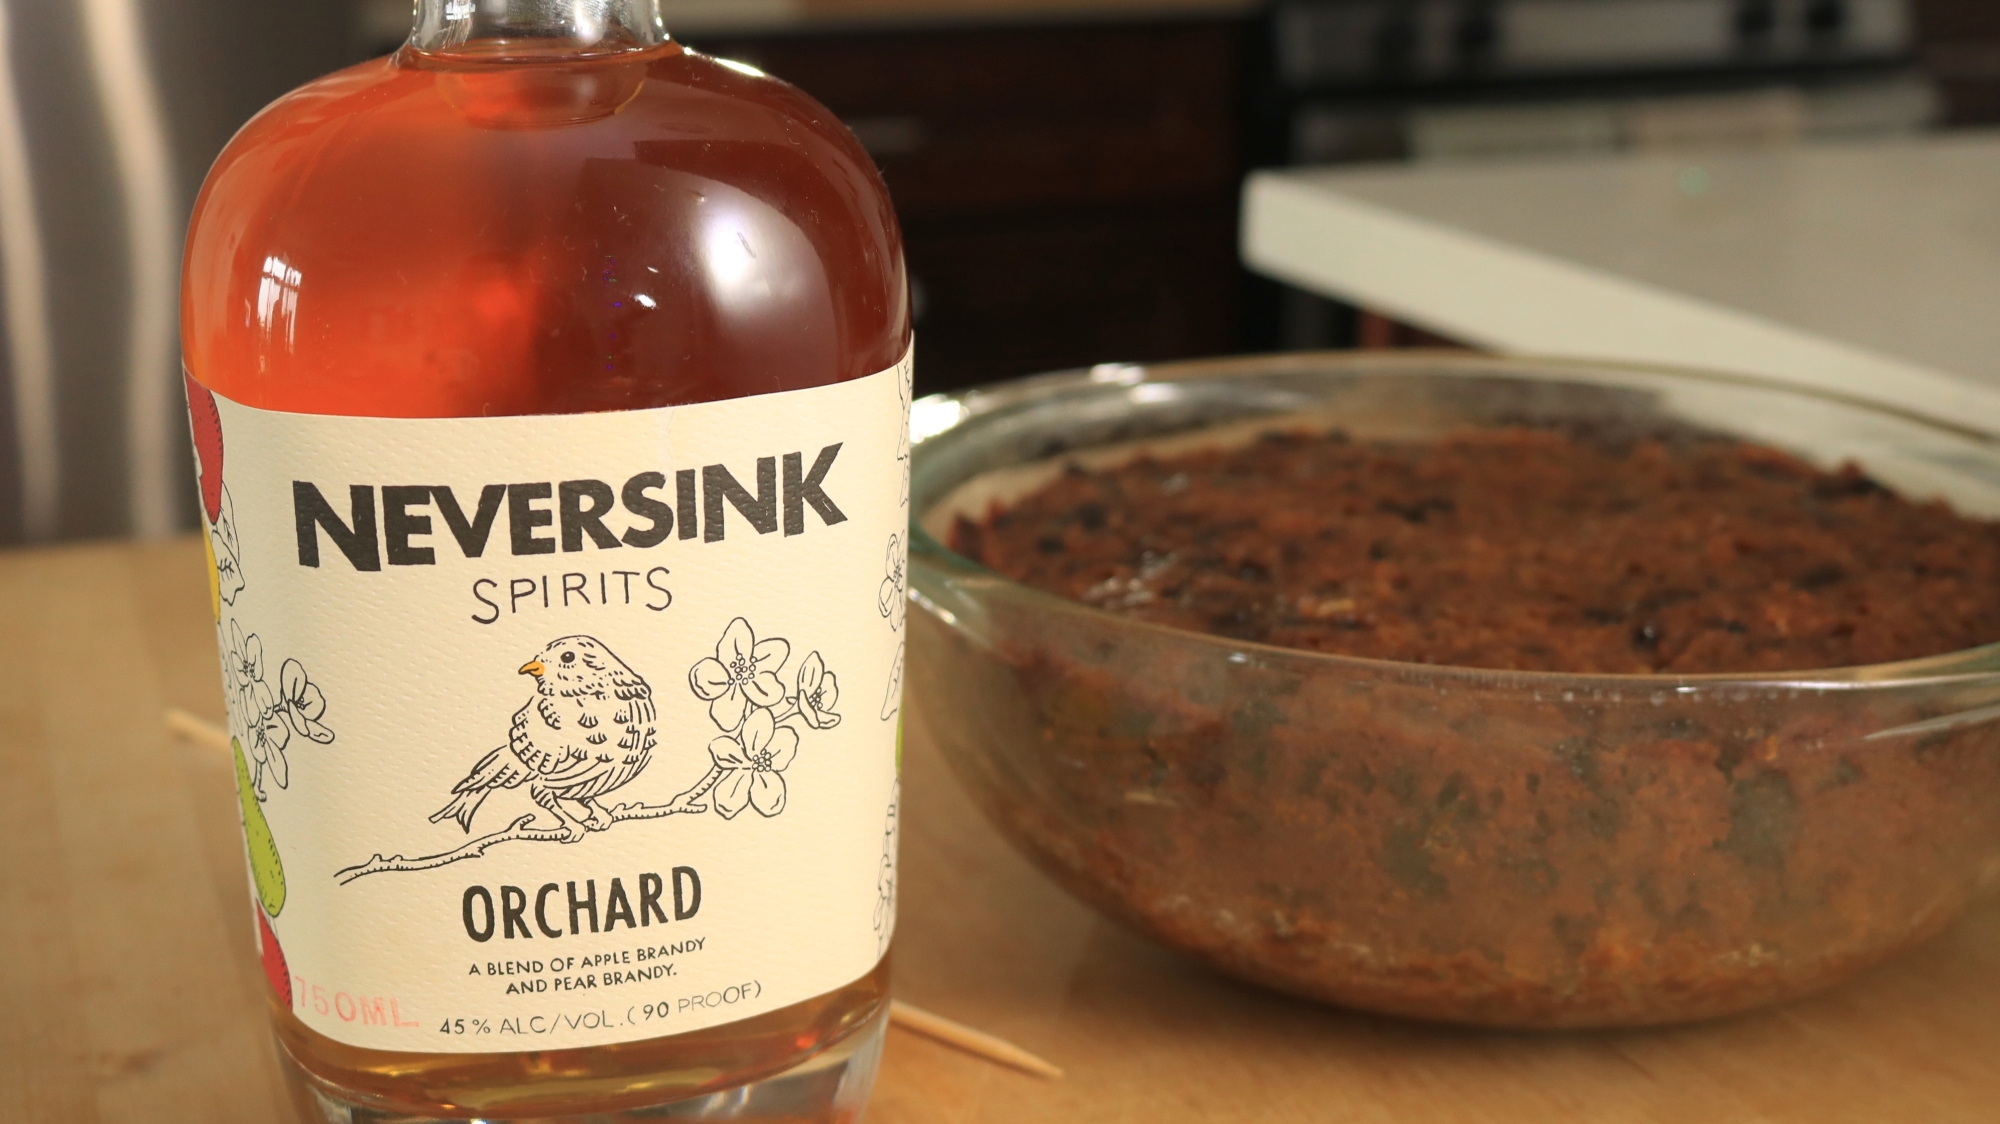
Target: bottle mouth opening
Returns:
[[527, 29]]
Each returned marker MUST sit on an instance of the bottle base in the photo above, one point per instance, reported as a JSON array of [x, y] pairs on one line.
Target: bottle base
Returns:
[[829, 1088]]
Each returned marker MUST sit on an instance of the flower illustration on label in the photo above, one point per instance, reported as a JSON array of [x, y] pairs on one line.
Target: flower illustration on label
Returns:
[[743, 673], [893, 600], [753, 764], [893, 597], [885, 878], [243, 663], [225, 553], [303, 703], [268, 737], [243, 671], [265, 720], [905, 390], [818, 694]]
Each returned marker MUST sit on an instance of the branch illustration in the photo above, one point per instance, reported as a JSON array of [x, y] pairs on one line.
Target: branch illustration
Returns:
[[684, 804]]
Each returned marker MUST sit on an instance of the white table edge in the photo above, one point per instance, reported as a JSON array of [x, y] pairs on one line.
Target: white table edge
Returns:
[[1300, 229]]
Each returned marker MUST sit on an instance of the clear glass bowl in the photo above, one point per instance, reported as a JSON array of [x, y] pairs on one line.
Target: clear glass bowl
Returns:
[[1499, 848]]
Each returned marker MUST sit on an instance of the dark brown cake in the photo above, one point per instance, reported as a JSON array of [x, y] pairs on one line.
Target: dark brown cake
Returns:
[[1503, 850], [1513, 548]]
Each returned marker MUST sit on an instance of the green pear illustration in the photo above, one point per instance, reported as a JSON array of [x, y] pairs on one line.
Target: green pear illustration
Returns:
[[265, 865]]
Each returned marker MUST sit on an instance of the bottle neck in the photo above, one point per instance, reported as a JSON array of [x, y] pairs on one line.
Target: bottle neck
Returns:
[[530, 27]]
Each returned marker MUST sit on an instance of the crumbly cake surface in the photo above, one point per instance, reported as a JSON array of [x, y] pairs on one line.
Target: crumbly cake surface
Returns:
[[1513, 548]]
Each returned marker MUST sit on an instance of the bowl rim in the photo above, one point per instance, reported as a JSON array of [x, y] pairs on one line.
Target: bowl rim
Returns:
[[966, 407]]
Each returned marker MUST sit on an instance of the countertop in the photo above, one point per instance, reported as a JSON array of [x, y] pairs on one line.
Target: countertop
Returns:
[[131, 993], [1870, 268]]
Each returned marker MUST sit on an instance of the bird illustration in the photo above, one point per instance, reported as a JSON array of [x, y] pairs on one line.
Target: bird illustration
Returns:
[[562, 746]]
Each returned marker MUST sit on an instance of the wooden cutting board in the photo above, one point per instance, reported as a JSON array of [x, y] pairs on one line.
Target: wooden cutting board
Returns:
[[129, 990]]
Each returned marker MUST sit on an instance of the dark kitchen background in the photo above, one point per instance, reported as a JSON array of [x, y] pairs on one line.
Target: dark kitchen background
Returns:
[[1067, 173]]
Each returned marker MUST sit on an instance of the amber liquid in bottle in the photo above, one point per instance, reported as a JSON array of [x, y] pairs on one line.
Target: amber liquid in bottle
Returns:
[[535, 224]]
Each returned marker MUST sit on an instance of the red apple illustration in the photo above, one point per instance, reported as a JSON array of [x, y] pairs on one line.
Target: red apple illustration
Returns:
[[276, 970], [207, 445]]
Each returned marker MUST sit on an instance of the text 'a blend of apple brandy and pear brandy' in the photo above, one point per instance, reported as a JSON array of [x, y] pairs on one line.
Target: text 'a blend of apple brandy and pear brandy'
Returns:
[[550, 387]]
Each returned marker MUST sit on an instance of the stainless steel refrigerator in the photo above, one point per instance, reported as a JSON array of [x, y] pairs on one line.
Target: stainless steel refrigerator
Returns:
[[110, 111]]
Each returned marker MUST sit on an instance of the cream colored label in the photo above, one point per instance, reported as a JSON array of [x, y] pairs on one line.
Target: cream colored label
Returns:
[[563, 731]]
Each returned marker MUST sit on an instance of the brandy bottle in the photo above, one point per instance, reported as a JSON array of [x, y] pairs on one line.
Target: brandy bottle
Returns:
[[550, 390]]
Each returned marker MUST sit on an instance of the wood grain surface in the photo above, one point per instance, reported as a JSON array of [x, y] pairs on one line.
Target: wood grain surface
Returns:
[[129, 988]]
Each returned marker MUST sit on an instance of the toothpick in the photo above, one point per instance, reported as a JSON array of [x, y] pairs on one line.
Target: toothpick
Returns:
[[197, 729], [915, 1019], [971, 1041]]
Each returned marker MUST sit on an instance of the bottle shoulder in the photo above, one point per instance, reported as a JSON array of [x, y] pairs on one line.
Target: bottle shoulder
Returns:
[[678, 111], [536, 209]]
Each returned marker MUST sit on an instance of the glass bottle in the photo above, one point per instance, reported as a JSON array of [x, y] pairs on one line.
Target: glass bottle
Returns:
[[538, 209]]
